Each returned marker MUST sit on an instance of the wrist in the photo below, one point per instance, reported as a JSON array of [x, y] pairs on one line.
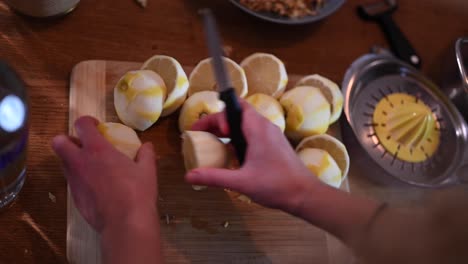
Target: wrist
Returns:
[[303, 194], [132, 239], [137, 218], [335, 211]]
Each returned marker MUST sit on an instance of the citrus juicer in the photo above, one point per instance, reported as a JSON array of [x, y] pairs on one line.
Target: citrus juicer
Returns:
[[406, 126]]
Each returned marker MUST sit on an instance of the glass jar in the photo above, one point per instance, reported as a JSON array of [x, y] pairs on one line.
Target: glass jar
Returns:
[[14, 113]]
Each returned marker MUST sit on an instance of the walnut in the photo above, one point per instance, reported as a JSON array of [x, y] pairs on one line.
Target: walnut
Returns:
[[286, 8]]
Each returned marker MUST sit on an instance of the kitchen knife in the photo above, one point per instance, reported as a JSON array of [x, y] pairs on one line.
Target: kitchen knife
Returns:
[[226, 91]]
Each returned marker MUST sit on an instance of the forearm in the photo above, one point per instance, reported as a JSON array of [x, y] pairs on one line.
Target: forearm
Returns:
[[337, 212], [431, 233], [135, 239], [386, 235]]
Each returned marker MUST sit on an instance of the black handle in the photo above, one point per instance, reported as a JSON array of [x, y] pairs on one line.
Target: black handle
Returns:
[[398, 42], [234, 118]]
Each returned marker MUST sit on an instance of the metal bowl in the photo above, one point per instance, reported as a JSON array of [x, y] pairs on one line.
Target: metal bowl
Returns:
[[330, 7], [375, 75]]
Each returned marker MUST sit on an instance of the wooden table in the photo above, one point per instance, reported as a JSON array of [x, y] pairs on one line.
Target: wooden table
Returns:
[[44, 52]]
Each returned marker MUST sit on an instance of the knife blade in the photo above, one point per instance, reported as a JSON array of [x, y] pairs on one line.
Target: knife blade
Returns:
[[226, 91]]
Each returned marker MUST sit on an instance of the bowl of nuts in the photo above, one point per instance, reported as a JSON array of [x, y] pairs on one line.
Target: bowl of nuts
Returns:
[[289, 12]]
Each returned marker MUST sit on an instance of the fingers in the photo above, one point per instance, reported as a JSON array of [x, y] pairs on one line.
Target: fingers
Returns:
[[223, 178], [253, 123], [67, 151], [215, 124], [86, 129], [75, 141], [244, 104], [146, 155]]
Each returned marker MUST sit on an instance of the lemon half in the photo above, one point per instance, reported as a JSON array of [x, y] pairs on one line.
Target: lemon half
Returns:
[[139, 98], [307, 112], [332, 146], [322, 165], [202, 77], [122, 137], [330, 90], [198, 105], [203, 150], [265, 74], [175, 79], [268, 107]]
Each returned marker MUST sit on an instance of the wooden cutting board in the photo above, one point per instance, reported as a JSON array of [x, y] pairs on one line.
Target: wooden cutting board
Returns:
[[192, 222]]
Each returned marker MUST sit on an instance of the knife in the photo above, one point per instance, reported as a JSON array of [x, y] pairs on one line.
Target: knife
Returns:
[[226, 91]]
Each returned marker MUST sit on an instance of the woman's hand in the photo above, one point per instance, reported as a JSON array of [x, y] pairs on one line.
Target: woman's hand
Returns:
[[106, 185], [272, 174]]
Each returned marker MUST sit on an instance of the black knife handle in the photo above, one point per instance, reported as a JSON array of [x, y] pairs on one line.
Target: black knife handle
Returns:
[[398, 41], [234, 118]]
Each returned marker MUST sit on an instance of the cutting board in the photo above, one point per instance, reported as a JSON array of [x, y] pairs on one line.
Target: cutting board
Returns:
[[192, 223]]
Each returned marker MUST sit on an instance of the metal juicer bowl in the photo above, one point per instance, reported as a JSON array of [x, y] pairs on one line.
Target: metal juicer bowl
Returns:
[[371, 78]]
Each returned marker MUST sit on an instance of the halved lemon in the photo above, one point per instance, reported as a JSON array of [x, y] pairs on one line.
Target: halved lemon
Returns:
[[307, 112], [202, 77], [175, 79], [198, 105], [332, 146], [203, 150], [139, 97], [265, 74], [269, 107], [322, 165], [122, 137], [330, 90]]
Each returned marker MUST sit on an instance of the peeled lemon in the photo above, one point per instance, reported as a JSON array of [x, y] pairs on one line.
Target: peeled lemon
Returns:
[[122, 137], [175, 79], [202, 77], [197, 106], [203, 150], [138, 98], [332, 146], [322, 165], [330, 90], [268, 107], [307, 112], [265, 74]]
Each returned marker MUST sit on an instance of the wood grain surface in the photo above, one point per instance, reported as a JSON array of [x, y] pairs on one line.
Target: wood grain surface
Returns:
[[192, 222], [33, 229]]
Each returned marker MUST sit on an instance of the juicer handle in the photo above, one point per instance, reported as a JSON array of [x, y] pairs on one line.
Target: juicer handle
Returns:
[[460, 61], [399, 42]]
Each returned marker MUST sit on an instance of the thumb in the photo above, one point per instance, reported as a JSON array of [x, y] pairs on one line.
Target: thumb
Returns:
[[223, 178], [67, 151], [146, 155]]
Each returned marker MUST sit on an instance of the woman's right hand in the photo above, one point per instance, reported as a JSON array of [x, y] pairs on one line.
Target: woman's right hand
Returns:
[[272, 174]]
